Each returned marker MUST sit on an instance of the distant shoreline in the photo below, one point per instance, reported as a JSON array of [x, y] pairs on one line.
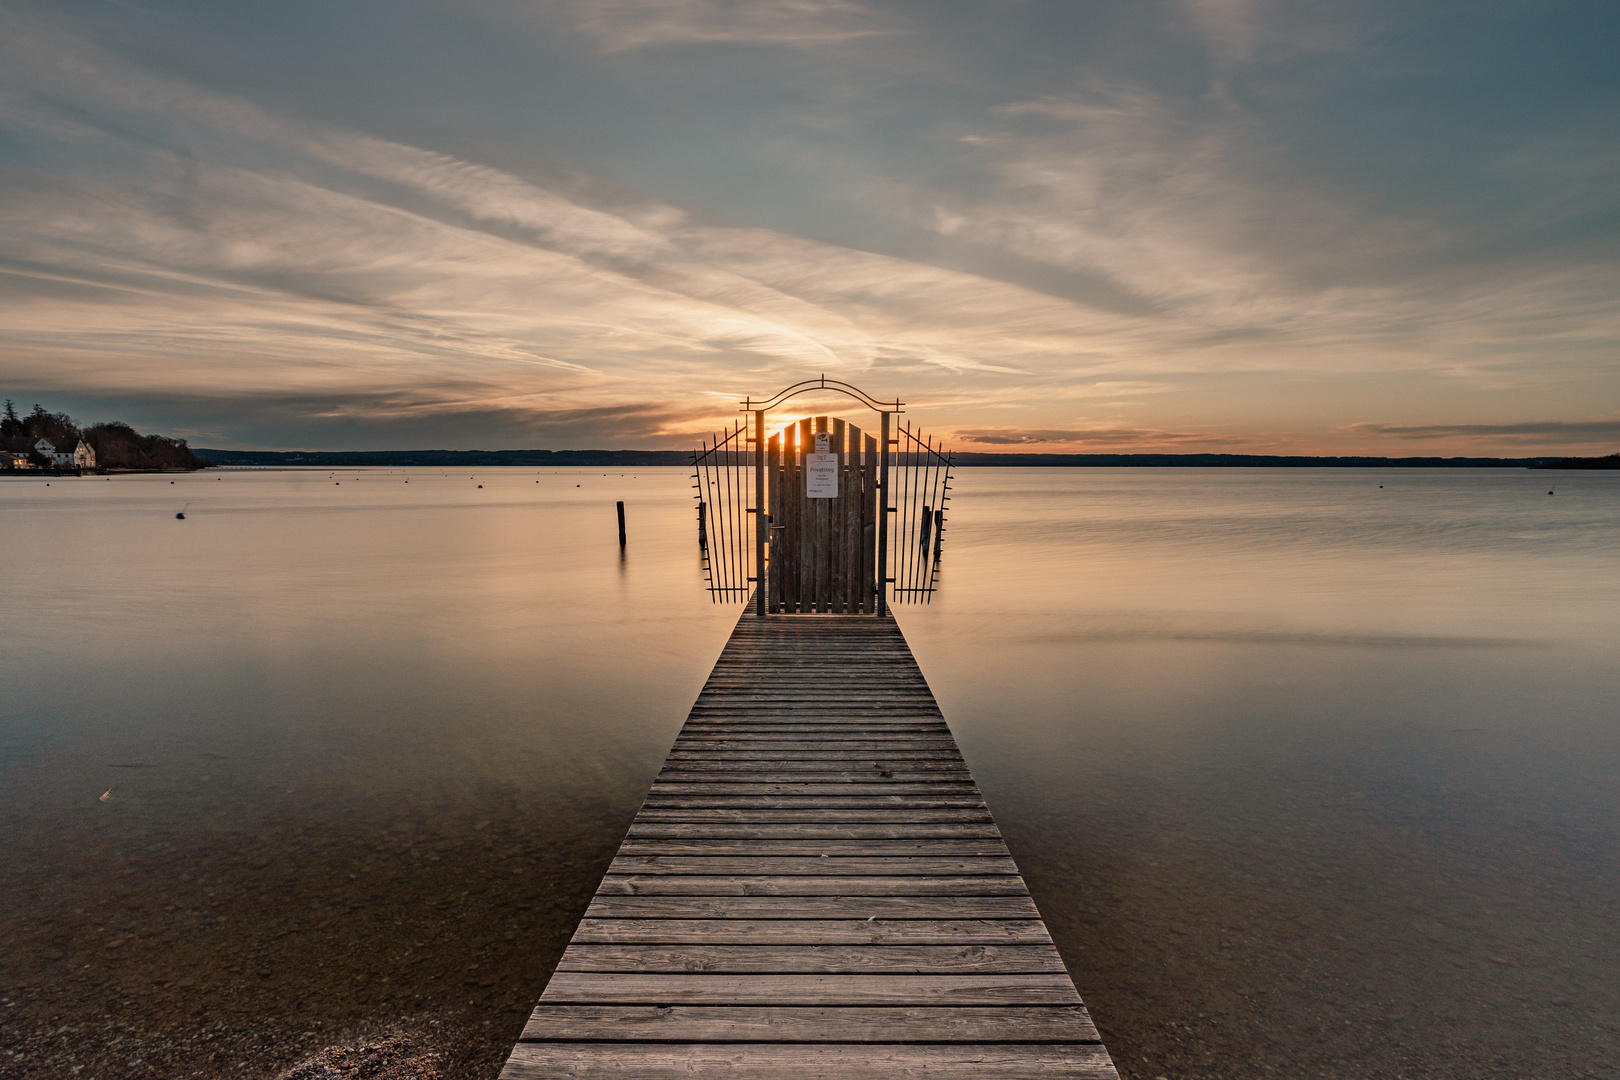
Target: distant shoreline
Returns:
[[631, 458]]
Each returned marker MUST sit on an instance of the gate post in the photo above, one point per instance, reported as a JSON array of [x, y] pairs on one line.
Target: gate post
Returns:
[[761, 525], [883, 520]]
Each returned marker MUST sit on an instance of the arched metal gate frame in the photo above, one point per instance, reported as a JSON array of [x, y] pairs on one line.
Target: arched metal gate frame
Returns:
[[722, 501]]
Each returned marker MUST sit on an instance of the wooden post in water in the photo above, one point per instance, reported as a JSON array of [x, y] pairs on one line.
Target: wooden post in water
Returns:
[[621, 525]]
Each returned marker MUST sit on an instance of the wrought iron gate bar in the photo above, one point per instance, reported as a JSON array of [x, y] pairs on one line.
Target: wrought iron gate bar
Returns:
[[925, 474], [822, 383], [718, 469]]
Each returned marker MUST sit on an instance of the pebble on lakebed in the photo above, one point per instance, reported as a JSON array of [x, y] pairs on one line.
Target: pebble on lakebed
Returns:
[[393, 1057]]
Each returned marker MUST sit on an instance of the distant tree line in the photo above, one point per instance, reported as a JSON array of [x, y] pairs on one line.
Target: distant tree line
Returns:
[[118, 446]]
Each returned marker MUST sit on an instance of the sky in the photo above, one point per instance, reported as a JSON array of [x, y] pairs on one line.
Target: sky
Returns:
[[1236, 226]]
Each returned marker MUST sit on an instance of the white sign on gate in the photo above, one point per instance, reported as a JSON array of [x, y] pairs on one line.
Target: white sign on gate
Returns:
[[821, 472]]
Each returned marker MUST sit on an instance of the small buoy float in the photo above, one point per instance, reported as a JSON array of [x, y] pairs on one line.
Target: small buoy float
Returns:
[[1549, 493], [181, 516], [481, 488]]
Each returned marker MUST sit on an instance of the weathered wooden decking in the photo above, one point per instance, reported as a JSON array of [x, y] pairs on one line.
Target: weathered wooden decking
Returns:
[[813, 888]]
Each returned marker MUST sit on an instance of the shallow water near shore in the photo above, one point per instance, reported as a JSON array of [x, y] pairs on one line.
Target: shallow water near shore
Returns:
[[1308, 776]]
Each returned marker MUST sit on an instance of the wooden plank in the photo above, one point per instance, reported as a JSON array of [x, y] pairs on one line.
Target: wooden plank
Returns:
[[786, 731], [827, 770], [794, 708], [818, 959], [782, 715], [787, 1024], [814, 848], [781, 885], [845, 753], [645, 829], [612, 988], [757, 755], [829, 742], [811, 907], [862, 665], [855, 800], [761, 816], [836, 734], [849, 789], [814, 886], [809, 1061], [873, 931], [809, 864], [764, 743], [803, 698], [862, 767]]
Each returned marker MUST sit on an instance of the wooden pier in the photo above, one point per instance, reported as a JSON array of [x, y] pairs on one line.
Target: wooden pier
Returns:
[[814, 888]]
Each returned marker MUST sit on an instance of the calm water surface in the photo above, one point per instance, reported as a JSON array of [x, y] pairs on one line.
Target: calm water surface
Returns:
[[1309, 776]]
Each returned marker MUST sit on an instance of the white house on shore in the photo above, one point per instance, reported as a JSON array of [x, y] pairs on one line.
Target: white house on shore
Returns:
[[23, 453], [67, 453], [58, 453]]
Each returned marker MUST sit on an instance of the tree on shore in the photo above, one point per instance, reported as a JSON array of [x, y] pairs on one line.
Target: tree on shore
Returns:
[[10, 422], [117, 445]]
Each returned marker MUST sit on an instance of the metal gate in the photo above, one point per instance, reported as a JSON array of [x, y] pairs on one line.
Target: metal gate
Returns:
[[723, 470], [845, 515], [920, 484]]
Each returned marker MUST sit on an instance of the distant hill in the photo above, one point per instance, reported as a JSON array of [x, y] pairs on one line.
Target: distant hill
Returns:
[[1250, 461], [444, 458], [1610, 462], [630, 458]]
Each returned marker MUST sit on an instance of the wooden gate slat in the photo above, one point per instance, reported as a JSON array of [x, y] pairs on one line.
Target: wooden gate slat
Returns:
[[823, 551]]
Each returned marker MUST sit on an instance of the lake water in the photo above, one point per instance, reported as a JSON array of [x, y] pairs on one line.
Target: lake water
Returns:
[[1309, 776]]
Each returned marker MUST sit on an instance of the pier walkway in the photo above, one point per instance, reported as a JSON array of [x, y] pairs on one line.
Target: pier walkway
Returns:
[[814, 888]]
